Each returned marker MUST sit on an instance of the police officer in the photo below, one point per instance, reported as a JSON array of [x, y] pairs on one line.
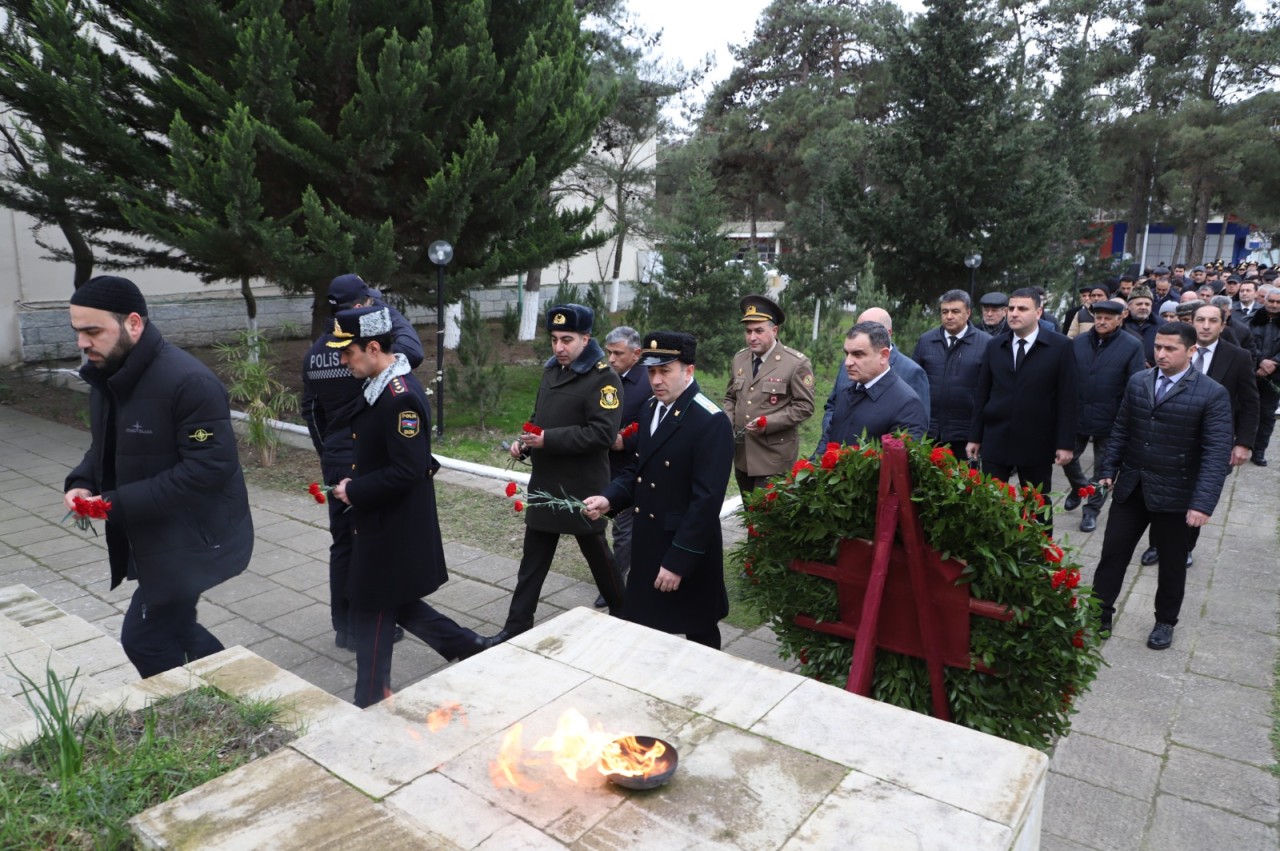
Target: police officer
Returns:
[[578, 415], [397, 555], [330, 397], [674, 490], [770, 380]]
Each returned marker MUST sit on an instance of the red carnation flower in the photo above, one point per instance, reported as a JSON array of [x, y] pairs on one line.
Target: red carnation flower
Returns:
[[761, 422], [770, 496], [519, 506], [829, 459], [833, 447], [1077, 640], [530, 428], [802, 464], [511, 489], [1053, 553]]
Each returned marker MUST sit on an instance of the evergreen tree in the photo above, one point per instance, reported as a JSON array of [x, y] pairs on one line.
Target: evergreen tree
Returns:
[[335, 136], [699, 289], [960, 168]]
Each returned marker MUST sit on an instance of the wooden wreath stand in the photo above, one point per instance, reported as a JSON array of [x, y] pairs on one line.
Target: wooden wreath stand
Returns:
[[898, 593]]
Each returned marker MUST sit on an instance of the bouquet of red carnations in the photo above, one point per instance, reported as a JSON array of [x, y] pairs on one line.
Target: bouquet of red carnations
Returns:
[[86, 511]]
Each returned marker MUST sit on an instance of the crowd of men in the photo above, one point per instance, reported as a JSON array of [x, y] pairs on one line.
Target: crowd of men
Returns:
[[1171, 376]]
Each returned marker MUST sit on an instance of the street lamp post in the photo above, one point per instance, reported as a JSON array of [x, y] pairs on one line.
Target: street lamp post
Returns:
[[440, 253], [972, 262]]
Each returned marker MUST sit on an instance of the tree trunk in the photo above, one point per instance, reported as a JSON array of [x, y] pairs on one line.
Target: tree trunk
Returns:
[[532, 310], [1201, 199], [251, 309], [452, 325], [1177, 250], [1222, 235], [321, 321]]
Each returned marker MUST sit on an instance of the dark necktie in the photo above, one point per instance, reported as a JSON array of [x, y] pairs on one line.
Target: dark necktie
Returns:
[[1019, 355], [1199, 363], [951, 341], [755, 365], [1165, 383]]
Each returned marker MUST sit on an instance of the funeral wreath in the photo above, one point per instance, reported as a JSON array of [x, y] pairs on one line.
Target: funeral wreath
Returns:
[[1039, 660]]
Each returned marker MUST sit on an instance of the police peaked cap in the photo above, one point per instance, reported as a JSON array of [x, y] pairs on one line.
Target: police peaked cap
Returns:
[[346, 290], [577, 318], [661, 347], [761, 308], [360, 323]]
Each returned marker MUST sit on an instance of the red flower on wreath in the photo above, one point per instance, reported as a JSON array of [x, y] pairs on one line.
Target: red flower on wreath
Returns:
[[770, 496], [1053, 553], [1068, 576], [1077, 640], [802, 464], [973, 474], [941, 456], [830, 457]]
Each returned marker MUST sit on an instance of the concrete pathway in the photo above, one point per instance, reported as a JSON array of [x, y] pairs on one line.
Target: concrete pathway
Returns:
[[1169, 750]]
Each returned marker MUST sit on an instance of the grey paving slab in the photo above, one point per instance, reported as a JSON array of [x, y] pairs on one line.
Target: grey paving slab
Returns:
[[467, 594], [1178, 822], [284, 652], [1243, 607], [1130, 706], [1093, 816], [1229, 653], [1226, 719], [1095, 761], [270, 604], [1226, 784], [302, 624]]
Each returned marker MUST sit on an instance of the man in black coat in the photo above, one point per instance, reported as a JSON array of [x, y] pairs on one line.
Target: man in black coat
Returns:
[[995, 306], [674, 489], [951, 356], [578, 415], [398, 556], [876, 401], [1024, 415], [1232, 367], [1142, 322], [1105, 358], [164, 456], [622, 345], [1266, 356], [330, 397], [1167, 460]]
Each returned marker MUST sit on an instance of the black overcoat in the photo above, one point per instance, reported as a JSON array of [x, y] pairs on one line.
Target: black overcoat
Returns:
[[397, 555], [675, 489], [1232, 367], [1022, 418], [579, 409]]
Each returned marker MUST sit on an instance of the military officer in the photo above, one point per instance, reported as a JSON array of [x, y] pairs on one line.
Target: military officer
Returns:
[[578, 413], [397, 555], [767, 380], [674, 489]]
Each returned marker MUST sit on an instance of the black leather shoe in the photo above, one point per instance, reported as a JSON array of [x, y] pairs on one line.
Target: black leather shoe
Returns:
[[1190, 559], [1161, 637], [1072, 502], [1104, 626], [398, 635], [476, 644], [501, 637], [1258, 461], [340, 640], [1088, 522], [1150, 556], [601, 602]]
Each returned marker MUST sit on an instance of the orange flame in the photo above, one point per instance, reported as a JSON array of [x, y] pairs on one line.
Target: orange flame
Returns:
[[505, 770], [629, 758], [575, 745], [438, 719]]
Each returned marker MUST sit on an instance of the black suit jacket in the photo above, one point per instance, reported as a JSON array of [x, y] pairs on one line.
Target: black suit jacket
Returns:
[[887, 406], [1232, 367], [635, 392], [1022, 418]]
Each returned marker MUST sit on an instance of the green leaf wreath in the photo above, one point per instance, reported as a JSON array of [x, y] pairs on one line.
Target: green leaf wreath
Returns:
[[1042, 658]]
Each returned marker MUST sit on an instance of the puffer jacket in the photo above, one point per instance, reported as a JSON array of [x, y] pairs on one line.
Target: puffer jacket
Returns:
[[1102, 374], [953, 378], [1266, 336], [1178, 450], [179, 521]]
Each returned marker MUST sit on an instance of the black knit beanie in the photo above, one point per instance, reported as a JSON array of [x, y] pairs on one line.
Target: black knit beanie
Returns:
[[112, 294]]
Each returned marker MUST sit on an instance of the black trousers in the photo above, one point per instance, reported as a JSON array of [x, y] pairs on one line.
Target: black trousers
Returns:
[[1028, 476], [374, 635], [1268, 399], [159, 638], [539, 551], [339, 563], [1125, 525], [1075, 471], [622, 523], [746, 483]]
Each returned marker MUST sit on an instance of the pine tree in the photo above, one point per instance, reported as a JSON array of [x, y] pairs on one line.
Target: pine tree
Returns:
[[293, 141]]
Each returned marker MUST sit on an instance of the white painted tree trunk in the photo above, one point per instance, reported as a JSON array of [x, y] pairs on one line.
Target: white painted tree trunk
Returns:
[[614, 292], [452, 325], [817, 317], [530, 314]]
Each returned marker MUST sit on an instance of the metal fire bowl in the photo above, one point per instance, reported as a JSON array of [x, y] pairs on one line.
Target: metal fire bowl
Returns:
[[665, 767]]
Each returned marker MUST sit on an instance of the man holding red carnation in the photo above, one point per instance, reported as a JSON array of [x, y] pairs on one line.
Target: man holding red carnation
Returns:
[[164, 461]]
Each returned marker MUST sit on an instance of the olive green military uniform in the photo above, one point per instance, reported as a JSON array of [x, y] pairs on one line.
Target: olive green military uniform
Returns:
[[781, 392]]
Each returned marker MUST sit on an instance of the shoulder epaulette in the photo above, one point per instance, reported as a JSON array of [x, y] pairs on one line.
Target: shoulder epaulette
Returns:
[[707, 404], [604, 364], [398, 387]]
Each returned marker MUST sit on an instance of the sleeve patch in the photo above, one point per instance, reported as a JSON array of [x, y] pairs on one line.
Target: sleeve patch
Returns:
[[200, 435], [410, 424], [609, 397]]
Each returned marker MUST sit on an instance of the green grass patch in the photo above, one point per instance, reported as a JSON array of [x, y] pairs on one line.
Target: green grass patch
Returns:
[[131, 761]]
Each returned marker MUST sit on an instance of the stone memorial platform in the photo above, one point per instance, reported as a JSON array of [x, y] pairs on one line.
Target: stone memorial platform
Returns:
[[767, 759]]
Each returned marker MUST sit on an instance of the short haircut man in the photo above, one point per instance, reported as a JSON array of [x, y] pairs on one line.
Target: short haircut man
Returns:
[[876, 401]]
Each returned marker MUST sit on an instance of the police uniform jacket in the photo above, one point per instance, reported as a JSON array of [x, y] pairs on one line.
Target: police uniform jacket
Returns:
[[397, 555], [1022, 418], [1103, 365], [165, 457], [782, 392], [675, 489], [953, 376], [579, 408], [1179, 450]]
